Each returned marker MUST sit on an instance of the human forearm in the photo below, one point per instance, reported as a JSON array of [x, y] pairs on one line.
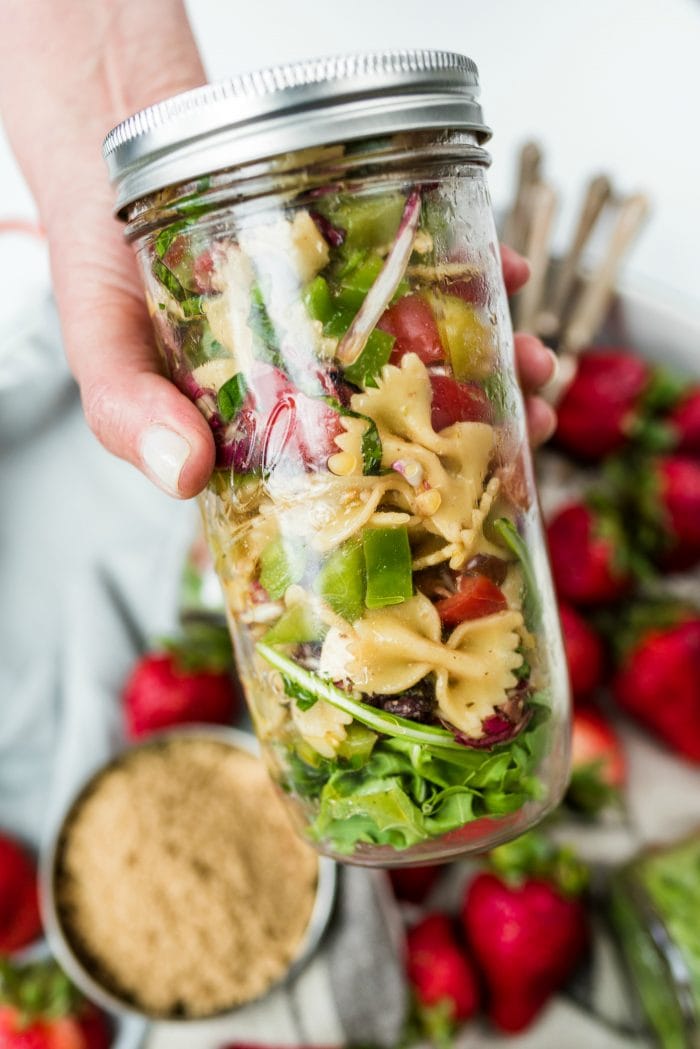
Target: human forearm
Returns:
[[71, 69]]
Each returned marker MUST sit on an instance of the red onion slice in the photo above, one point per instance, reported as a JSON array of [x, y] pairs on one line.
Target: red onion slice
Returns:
[[382, 291]]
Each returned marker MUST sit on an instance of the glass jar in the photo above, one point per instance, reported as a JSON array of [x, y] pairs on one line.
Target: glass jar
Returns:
[[337, 312], [655, 909]]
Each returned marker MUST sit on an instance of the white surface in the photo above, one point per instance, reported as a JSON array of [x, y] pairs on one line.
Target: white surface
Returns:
[[606, 85]]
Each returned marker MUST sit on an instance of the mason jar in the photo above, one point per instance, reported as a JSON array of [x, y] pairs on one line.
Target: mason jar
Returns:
[[322, 271], [654, 906]]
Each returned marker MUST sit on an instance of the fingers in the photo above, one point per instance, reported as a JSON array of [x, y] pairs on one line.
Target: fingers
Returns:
[[144, 419], [135, 412], [541, 420], [516, 269], [536, 364]]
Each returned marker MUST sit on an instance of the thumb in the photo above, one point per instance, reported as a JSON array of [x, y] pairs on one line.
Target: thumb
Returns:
[[134, 411]]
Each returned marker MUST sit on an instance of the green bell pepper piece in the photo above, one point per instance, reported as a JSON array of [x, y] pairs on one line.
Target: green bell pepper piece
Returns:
[[356, 282], [369, 222], [376, 353], [341, 581], [365, 371], [282, 563], [298, 624], [318, 301], [388, 562], [357, 745]]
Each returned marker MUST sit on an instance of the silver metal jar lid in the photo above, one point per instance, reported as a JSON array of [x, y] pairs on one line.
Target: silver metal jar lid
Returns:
[[291, 107]]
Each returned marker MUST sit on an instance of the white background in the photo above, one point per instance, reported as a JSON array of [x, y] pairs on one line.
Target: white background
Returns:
[[604, 85]]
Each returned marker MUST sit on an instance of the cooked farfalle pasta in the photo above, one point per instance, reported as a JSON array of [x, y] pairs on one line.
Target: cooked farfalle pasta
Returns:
[[350, 441], [468, 693], [322, 726], [453, 462], [391, 649]]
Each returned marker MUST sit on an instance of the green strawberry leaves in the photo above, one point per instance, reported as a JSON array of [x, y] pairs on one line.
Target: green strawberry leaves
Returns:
[[533, 855], [40, 990]]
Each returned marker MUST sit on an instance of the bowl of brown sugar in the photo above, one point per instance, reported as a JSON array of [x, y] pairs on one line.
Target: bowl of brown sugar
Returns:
[[176, 887]]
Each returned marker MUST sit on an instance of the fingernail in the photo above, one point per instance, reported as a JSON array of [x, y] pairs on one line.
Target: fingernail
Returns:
[[164, 453], [554, 362]]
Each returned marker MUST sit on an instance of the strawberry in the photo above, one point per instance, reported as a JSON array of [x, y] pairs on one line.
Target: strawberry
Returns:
[[19, 901], [660, 496], [599, 409], [441, 975], [678, 485], [584, 652], [657, 679], [684, 423], [40, 1009], [192, 682], [413, 884], [586, 550], [526, 926], [597, 763]]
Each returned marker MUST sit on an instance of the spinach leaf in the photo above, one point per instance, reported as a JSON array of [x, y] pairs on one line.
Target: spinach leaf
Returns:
[[304, 699], [231, 397]]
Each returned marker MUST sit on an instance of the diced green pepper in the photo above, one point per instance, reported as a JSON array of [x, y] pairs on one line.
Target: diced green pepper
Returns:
[[388, 564], [365, 371], [368, 222], [298, 624], [357, 745], [231, 396], [357, 276], [356, 282], [317, 299], [341, 581], [282, 563]]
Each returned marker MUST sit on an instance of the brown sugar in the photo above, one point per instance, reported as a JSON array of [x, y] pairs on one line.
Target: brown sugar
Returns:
[[180, 882]]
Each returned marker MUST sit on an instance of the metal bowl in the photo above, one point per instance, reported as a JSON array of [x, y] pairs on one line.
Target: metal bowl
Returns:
[[60, 943]]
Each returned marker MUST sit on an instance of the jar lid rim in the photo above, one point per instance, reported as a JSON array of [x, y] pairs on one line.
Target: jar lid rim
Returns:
[[291, 107]]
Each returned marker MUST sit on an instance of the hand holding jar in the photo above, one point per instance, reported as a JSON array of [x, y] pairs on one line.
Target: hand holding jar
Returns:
[[322, 274]]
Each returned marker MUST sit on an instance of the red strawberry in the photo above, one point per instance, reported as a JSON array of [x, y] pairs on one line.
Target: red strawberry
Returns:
[[39, 1009], [678, 483], [658, 682], [600, 407], [684, 421], [585, 548], [95, 1027], [584, 652], [438, 969], [20, 923], [597, 763], [526, 926], [528, 939], [191, 683], [414, 883]]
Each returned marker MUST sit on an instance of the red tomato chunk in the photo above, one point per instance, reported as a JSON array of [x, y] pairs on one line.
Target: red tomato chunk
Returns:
[[476, 596]]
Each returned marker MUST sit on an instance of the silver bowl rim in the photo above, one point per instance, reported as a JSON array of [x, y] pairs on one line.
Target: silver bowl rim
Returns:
[[59, 942]]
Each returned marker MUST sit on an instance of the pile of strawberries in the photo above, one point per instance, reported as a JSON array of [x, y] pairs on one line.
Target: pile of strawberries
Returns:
[[39, 1008], [639, 521], [521, 931]]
